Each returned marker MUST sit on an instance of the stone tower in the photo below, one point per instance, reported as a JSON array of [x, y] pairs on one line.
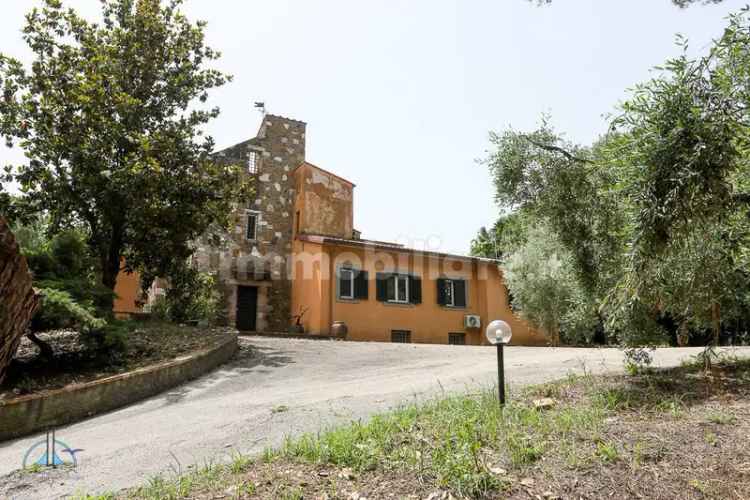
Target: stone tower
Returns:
[[252, 263]]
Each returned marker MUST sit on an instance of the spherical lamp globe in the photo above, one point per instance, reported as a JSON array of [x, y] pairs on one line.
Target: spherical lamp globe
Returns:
[[498, 332]]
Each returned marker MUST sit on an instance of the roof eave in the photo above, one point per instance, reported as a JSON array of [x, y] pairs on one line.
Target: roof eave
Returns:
[[329, 241]]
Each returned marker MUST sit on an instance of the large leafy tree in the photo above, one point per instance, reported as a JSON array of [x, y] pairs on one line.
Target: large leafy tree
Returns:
[[655, 216], [110, 118], [505, 236], [683, 153], [549, 179]]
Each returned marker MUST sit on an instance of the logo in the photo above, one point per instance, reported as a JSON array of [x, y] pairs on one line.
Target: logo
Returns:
[[50, 452]]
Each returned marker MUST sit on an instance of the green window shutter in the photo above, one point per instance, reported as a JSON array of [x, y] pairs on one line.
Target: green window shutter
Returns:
[[381, 290], [360, 285], [441, 291], [459, 290], [415, 289]]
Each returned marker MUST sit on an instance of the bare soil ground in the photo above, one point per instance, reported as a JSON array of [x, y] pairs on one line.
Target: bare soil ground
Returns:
[[678, 433], [147, 343]]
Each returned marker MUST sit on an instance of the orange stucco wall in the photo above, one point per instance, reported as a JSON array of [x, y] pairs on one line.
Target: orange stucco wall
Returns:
[[323, 202], [307, 285], [314, 287], [127, 291]]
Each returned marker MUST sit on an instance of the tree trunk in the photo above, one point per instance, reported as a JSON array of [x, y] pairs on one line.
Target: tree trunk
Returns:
[[45, 350], [682, 334], [553, 332], [110, 261], [716, 322]]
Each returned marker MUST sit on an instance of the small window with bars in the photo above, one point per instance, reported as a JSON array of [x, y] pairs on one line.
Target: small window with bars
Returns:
[[252, 225], [457, 338], [253, 160], [401, 336]]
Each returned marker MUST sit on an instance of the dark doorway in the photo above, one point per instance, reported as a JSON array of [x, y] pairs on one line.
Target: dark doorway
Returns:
[[247, 305]]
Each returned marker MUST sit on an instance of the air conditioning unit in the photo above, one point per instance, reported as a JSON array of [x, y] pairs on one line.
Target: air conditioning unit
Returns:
[[472, 321]]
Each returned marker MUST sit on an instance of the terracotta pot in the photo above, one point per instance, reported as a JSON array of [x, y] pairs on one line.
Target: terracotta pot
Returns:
[[339, 329]]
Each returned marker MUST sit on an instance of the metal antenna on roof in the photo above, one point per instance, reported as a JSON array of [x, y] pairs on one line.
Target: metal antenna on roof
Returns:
[[260, 106]]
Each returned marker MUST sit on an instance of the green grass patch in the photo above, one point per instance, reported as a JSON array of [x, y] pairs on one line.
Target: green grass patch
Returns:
[[471, 446], [721, 418], [454, 442]]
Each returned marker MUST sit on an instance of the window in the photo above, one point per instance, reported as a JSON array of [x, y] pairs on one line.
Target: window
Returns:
[[399, 288], [252, 225], [252, 162], [401, 336], [457, 338], [346, 284], [451, 292], [352, 283]]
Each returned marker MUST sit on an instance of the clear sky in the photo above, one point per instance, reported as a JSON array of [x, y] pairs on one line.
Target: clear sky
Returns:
[[399, 96]]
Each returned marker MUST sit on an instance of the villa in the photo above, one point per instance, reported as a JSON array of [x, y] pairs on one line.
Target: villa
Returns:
[[293, 260]]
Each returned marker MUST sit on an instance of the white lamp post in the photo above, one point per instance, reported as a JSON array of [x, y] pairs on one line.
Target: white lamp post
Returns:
[[499, 333]]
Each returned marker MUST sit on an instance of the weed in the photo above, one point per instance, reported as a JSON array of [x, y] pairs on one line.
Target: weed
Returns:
[[672, 405], [612, 398], [699, 485], [33, 469], [638, 454], [555, 389], [607, 451], [721, 418], [288, 493], [711, 438], [245, 488], [280, 409], [522, 449], [239, 463], [160, 488]]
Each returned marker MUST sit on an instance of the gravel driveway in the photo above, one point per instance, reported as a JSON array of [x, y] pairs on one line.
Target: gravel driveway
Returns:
[[275, 388]]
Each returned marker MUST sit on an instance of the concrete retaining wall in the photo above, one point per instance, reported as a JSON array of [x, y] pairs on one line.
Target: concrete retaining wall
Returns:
[[37, 412]]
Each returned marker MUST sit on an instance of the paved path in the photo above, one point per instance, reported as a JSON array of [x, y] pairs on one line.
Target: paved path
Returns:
[[237, 407]]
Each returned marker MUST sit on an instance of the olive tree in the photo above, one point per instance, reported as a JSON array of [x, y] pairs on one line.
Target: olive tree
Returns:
[[541, 277]]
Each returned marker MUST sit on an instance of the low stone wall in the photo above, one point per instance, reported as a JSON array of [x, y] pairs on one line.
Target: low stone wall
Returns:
[[36, 412], [283, 335]]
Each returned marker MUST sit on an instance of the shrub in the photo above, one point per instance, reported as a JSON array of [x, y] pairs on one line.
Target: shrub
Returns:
[[63, 262], [160, 309], [193, 295], [110, 339], [638, 359], [58, 309]]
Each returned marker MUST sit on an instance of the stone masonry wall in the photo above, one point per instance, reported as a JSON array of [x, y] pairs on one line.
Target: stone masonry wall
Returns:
[[279, 148], [18, 301]]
